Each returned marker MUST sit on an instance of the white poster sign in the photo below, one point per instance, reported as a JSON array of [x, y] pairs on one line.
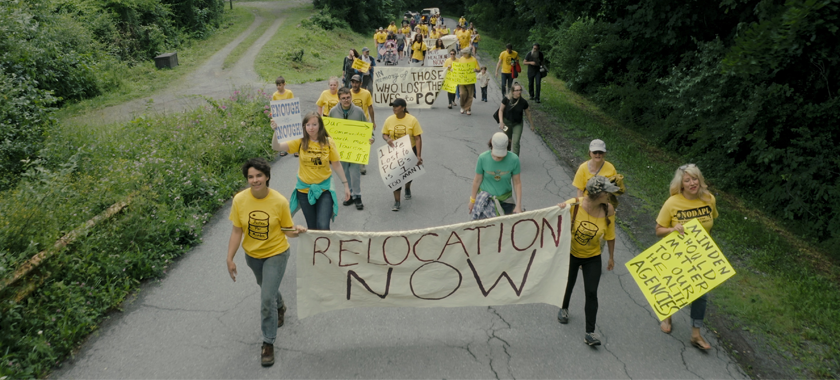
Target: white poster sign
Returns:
[[287, 116], [515, 259], [398, 164], [436, 58], [419, 86]]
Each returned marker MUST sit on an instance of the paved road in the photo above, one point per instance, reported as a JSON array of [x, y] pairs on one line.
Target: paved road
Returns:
[[196, 323]]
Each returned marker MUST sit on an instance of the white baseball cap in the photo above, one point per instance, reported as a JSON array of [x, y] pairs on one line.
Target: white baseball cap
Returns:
[[598, 146], [500, 143]]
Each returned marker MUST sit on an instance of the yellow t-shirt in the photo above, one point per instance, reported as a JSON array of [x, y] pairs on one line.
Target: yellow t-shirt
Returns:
[[396, 128], [470, 59], [444, 31], [406, 30], [315, 161], [587, 232], [462, 21], [448, 62], [506, 58], [424, 29], [677, 209], [260, 221], [327, 100], [362, 100], [392, 28], [583, 174], [418, 48], [464, 38], [285, 95], [434, 34], [477, 38], [433, 20], [381, 37]]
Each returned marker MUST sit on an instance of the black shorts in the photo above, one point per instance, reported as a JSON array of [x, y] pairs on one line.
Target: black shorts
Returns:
[[401, 47]]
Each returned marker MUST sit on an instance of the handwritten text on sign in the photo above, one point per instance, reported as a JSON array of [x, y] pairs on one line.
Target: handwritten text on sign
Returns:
[[398, 164], [463, 73], [352, 138], [360, 65], [286, 115], [449, 84], [514, 259], [419, 86], [436, 58], [679, 269]]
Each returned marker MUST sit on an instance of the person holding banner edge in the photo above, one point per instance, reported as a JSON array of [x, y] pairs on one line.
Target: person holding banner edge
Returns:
[[313, 193], [400, 124], [689, 192], [347, 110], [264, 212], [495, 170], [593, 218]]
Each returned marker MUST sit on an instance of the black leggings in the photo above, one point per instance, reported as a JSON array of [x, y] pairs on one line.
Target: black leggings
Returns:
[[591, 268]]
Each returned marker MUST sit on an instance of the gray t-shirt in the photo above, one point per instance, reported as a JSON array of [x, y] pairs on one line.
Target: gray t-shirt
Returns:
[[401, 39], [354, 113]]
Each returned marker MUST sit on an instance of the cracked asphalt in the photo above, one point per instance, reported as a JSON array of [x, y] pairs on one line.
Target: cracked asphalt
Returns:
[[196, 323]]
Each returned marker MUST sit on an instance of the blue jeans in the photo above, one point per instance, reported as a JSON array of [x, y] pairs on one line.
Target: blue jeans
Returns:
[[507, 81], [484, 94], [379, 47], [269, 273], [698, 311], [353, 173], [318, 215]]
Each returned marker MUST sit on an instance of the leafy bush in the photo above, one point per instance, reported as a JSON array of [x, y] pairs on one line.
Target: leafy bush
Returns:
[[324, 20], [176, 170], [361, 16]]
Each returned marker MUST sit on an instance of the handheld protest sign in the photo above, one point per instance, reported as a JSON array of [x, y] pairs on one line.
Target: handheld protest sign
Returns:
[[352, 138], [463, 73], [360, 65], [679, 269], [436, 58], [286, 115], [449, 84], [398, 165]]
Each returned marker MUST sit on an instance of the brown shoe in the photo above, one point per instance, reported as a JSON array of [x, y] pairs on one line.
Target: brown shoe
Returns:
[[281, 316], [267, 356]]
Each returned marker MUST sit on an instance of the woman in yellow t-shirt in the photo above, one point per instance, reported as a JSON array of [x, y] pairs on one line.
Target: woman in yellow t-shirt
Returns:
[[689, 192], [448, 66], [328, 98], [265, 214], [593, 218], [313, 192], [418, 49], [398, 125], [596, 165]]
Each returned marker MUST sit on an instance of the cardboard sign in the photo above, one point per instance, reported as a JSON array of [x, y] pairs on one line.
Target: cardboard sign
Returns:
[[436, 58], [463, 73], [449, 84], [419, 86], [513, 259], [360, 65], [398, 164], [352, 138], [286, 115], [679, 269]]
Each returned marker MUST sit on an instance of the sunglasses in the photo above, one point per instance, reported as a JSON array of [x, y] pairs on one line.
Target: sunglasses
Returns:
[[686, 166]]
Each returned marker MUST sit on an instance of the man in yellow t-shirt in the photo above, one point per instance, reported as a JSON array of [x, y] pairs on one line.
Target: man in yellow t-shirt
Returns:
[[400, 124], [462, 21], [464, 38], [328, 98], [380, 38], [362, 98], [406, 30], [281, 93], [506, 58], [424, 29], [393, 27], [444, 31]]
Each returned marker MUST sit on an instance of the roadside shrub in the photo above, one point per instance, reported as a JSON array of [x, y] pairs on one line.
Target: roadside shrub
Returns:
[[324, 20]]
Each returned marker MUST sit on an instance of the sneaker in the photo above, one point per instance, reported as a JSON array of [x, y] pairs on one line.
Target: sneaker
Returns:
[[563, 316], [363, 170], [349, 201], [591, 340], [531, 98], [267, 355], [407, 193], [359, 205], [396, 206], [281, 316]]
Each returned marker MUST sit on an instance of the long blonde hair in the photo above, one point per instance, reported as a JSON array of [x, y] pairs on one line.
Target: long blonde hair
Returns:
[[694, 172]]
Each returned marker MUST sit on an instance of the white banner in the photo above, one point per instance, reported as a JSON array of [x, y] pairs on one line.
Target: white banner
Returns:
[[419, 86], [515, 259], [398, 165], [286, 114], [436, 58]]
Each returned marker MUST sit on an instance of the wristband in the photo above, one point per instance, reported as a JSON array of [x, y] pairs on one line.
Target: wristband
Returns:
[[472, 200]]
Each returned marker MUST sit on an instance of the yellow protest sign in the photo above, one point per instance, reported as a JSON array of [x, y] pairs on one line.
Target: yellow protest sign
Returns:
[[449, 84], [462, 73], [360, 65], [679, 269], [352, 138]]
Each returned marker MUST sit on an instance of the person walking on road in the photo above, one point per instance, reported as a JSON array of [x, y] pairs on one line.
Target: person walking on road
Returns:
[[313, 193], [400, 124], [363, 100], [593, 218], [401, 37], [367, 77], [510, 115], [281, 94], [265, 214], [689, 192], [380, 37], [328, 98], [507, 60], [348, 111], [418, 49], [596, 165], [495, 170], [347, 70], [448, 66], [482, 79], [534, 60], [468, 90]]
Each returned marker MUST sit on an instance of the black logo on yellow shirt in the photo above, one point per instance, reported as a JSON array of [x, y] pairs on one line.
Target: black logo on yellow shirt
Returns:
[[702, 213], [258, 225], [400, 131], [358, 102], [585, 232]]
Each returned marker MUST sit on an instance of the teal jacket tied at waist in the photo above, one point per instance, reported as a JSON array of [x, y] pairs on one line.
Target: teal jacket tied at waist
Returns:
[[315, 191]]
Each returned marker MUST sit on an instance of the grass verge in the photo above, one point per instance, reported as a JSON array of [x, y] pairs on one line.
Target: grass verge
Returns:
[[322, 54], [778, 316], [144, 78], [177, 169]]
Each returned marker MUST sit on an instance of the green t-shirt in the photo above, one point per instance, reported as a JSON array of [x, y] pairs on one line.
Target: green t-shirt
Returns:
[[497, 174]]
